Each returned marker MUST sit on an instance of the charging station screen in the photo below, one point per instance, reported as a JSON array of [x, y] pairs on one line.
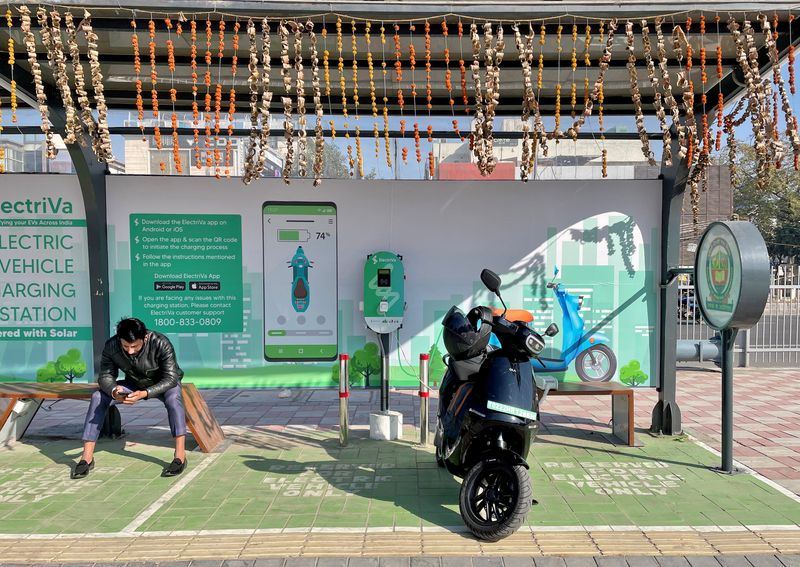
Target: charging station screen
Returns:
[[300, 281]]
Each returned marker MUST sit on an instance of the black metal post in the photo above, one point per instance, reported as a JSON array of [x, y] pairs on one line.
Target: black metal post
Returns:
[[384, 371], [666, 416], [728, 339]]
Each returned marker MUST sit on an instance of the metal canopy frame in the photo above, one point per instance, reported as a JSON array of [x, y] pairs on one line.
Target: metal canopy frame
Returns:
[[92, 174]]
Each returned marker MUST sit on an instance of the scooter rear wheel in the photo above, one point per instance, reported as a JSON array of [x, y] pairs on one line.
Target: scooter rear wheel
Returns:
[[495, 499]]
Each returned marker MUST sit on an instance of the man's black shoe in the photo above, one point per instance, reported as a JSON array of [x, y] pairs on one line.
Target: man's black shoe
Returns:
[[174, 468], [82, 469]]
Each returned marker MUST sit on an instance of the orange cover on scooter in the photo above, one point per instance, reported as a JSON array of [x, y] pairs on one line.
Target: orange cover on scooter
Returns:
[[515, 314]]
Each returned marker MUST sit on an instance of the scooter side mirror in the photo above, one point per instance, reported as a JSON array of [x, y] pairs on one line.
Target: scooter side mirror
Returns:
[[552, 330], [490, 280]]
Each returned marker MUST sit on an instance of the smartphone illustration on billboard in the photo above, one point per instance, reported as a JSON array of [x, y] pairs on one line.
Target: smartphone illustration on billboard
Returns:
[[301, 296]]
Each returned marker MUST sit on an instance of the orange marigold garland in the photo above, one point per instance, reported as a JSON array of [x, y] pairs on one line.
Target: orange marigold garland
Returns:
[[398, 67], [417, 143], [207, 117], [137, 68], [11, 61], [195, 111], [354, 47], [153, 91], [791, 58], [176, 155], [428, 90], [462, 68]]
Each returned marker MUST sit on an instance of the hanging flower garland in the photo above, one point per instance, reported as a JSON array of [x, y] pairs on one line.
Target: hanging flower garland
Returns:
[[479, 119], [302, 141], [195, 110], [791, 125], [657, 100], [666, 84], [319, 138], [720, 96], [384, 72], [36, 71], [605, 59], [428, 90], [326, 70], [791, 58], [706, 136], [462, 69], [207, 116], [253, 82], [288, 127], [417, 142], [103, 151], [218, 99], [11, 62], [755, 97], [80, 83], [528, 102], [636, 95], [266, 98], [232, 98], [153, 81], [354, 48], [398, 67], [137, 68], [173, 96], [55, 49], [683, 81], [573, 93], [372, 96]]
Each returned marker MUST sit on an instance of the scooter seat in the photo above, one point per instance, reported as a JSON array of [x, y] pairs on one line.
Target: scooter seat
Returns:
[[522, 315]]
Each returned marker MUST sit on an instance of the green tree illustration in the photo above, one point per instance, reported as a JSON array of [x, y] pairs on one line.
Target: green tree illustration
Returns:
[[49, 373], [65, 368], [365, 363], [632, 374], [436, 366]]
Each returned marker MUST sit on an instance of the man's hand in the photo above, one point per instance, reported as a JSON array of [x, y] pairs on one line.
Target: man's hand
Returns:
[[118, 394], [134, 397]]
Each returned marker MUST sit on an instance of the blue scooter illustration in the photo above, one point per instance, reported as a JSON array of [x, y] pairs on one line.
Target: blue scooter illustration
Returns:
[[300, 291], [594, 359]]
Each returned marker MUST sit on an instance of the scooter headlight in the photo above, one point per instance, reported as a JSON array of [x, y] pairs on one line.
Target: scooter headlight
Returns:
[[534, 344]]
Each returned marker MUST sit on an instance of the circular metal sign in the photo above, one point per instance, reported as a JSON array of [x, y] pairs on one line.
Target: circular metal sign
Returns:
[[731, 275]]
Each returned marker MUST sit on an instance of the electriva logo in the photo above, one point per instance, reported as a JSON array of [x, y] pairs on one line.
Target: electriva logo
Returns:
[[43, 206]]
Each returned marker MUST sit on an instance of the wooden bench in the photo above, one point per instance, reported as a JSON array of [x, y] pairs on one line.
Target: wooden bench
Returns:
[[621, 404], [25, 398]]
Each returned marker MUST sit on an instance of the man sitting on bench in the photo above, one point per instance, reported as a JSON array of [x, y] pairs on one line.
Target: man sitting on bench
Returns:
[[151, 371]]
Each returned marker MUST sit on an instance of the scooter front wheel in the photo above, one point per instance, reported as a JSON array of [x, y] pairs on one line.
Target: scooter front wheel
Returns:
[[596, 364], [495, 499]]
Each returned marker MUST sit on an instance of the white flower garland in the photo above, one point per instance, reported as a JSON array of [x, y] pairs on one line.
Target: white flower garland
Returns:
[[288, 127], [302, 141], [666, 84], [266, 97], [80, 83], [103, 149], [253, 82], [36, 71], [636, 96], [657, 103], [73, 125], [319, 138]]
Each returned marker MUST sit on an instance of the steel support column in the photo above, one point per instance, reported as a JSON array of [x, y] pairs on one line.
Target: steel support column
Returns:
[[666, 416]]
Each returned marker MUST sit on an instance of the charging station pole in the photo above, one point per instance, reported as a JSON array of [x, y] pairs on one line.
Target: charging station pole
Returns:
[[384, 305]]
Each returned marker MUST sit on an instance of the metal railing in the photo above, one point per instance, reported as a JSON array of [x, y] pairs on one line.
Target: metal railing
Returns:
[[774, 341]]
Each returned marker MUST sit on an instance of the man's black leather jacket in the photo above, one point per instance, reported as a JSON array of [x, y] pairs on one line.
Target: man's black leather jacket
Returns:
[[154, 368]]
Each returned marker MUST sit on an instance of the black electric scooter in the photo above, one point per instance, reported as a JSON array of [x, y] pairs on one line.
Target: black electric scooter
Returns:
[[488, 415]]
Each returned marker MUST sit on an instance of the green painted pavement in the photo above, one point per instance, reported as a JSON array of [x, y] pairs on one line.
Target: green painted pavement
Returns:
[[38, 496], [301, 478]]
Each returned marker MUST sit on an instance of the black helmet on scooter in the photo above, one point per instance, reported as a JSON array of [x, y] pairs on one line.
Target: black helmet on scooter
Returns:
[[461, 339]]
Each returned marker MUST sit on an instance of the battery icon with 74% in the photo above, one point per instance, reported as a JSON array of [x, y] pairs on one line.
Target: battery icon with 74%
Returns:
[[293, 235]]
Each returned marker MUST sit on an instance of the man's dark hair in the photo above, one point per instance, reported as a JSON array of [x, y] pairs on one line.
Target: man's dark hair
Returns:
[[131, 330]]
